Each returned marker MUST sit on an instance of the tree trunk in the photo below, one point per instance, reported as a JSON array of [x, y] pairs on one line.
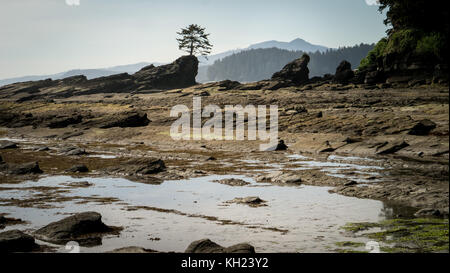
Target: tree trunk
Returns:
[[192, 48]]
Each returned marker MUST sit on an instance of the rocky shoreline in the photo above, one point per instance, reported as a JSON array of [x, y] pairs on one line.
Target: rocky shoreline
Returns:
[[380, 141]]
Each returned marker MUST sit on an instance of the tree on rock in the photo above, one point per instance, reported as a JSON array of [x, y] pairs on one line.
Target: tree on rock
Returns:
[[194, 40]]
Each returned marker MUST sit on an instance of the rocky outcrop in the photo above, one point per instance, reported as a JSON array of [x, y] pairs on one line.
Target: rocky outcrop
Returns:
[[295, 72], [279, 177], [139, 170], [422, 128], [392, 148], [123, 120], [16, 241], [344, 73], [6, 221], [86, 228], [252, 201], [208, 246], [232, 182], [132, 249], [178, 74], [21, 169]]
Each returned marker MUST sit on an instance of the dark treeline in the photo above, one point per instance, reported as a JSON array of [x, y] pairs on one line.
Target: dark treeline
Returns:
[[259, 64]]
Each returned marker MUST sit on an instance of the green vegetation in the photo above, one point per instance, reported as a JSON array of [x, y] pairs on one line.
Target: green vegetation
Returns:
[[406, 235], [194, 40], [374, 54], [418, 29]]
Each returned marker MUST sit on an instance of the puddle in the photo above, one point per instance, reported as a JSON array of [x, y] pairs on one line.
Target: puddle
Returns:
[[335, 168], [104, 156], [310, 214]]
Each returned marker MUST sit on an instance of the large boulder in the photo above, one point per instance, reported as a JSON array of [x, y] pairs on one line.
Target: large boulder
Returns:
[[179, 74], [16, 241], [86, 228], [208, 246], [344, 73], [295, 72]]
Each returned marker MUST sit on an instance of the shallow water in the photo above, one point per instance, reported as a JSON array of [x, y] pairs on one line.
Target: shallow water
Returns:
[[310, 215]]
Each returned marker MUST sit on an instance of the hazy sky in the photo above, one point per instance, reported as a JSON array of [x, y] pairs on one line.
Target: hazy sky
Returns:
[[50, 36]]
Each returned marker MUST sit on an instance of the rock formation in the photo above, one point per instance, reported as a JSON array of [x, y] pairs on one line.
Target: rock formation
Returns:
[[86, 228], [295, 72], [179, 74], [344, 73], [208, 246]]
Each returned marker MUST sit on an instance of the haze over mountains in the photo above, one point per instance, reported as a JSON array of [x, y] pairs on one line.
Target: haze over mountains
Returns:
[[295, 45]]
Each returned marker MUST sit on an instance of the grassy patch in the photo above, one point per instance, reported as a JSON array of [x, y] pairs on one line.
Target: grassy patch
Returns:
[[407, 235]]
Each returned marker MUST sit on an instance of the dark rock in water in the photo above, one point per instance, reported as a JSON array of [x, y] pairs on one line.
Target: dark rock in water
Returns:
[[124, 120], [179, 74], [132, 249], [427, 212], [5, 144], [1, 159], [16, 241], [393, 148], [6, 221], [344, 73], [232, 182], [86, 228], [422, 128], [252, 201], [296, 72], [78, 169], [208, 246], [23, 169], [82, 184]]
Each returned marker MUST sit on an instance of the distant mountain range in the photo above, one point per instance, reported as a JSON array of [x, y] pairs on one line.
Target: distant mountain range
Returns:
[[89, 73], [294, 45]]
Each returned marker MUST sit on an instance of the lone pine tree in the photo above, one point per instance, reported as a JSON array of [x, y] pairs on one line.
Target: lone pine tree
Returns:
[[194, 40]]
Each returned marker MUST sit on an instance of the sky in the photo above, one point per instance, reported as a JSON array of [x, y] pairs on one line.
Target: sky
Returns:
[[39, 37]]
